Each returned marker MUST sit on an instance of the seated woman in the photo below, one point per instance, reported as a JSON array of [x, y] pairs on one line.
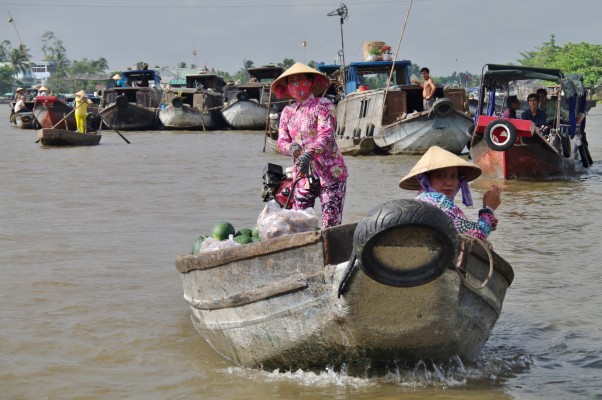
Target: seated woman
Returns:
[[439, 175], [538, 116], [512, 104]]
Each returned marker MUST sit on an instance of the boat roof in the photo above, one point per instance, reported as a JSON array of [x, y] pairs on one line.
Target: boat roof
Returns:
[[266, 72], [139, 75], [208, 80], [507, 73]]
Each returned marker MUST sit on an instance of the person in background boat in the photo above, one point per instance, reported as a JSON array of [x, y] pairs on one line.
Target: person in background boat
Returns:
[[513, 104], [428, 88], [81, 104], [306, 132], [439, 175], [535, 114], [42, 91], [20, 105], [18, 93]]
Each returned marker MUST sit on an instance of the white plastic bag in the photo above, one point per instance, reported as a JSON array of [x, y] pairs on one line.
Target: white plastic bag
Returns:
[[211, 244], [275, 221]]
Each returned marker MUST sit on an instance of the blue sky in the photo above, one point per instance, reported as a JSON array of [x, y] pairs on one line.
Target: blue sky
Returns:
[[445, 35]]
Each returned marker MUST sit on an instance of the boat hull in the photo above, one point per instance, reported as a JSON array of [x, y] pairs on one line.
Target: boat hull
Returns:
[[245, 115], [61, 137], [131, 108], [296, 302], [188, 118]]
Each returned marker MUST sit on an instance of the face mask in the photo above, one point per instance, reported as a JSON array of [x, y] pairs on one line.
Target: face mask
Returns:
[[300, 89]]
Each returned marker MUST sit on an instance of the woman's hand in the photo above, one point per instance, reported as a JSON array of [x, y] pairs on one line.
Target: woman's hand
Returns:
[[492, 197]]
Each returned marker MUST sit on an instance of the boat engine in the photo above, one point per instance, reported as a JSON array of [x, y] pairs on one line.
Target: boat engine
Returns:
[[277, 185]]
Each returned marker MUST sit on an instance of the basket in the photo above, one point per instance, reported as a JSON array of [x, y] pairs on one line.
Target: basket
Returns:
[[367, 46]]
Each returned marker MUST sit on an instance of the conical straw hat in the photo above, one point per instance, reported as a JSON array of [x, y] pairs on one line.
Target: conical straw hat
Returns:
[[81, 93], [319, 86], [19, 89], [437, 158], [116, 76], [42, 88]]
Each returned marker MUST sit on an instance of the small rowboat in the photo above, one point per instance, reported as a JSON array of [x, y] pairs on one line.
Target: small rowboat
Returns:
[[399, 285], [62, 137]]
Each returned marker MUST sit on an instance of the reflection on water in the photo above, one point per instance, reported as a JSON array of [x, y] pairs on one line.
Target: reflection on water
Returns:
[[92, 304]]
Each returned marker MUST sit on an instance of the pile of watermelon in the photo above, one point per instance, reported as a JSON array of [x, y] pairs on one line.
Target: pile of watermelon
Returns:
[[223, 230]]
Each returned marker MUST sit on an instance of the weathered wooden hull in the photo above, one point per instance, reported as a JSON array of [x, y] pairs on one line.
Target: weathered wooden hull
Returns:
[[537, 159], [392, 130], [61, 137], [25, 120], [187, 117], [280, 303], [49, 113], [245, 115], [131, 108]]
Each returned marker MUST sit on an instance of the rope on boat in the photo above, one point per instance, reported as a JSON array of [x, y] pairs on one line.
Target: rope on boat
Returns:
[[462, 258]]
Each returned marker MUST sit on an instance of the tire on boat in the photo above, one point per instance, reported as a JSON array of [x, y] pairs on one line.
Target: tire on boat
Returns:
[[242, 96], [500, 134], [121, 101], [177, 102], [443, 107], [405, 243], [470, 130]]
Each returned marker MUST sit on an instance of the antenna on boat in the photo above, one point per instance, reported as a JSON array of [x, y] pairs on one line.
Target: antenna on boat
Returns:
[[22, 46], [397, 52], [343, 14]]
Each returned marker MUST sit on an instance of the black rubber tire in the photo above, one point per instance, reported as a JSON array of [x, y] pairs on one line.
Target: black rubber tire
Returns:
[[121, 101], [470, 130], [242, 96], [406, 214], [443, 107], [507, 127], [566, 145], [177, 102]]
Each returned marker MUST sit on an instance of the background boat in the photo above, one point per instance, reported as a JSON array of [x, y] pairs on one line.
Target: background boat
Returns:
[[134, 107], [196, 106]]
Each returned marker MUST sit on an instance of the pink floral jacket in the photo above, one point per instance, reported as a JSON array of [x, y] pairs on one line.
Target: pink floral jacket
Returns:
[[312, 124]]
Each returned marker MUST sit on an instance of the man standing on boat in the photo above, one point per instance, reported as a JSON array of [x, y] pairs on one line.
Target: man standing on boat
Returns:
[[428, 88]]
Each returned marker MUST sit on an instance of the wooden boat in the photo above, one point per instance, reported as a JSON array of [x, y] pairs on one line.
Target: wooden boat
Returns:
[[52, 110], [395, 288], [62, 137], [25, 119], [376, 117], [134, 107], [247, 106], [509, 148], [197, 106]]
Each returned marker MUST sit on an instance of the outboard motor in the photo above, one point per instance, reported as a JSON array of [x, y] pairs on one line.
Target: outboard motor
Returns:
[[278, 185]]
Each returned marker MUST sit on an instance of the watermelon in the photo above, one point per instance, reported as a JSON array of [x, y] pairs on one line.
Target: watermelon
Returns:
[[243, 239], [244, 231], [255, 232], [222, 230], [196, 248]]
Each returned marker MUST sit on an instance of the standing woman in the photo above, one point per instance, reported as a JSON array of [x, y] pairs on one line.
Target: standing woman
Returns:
[[306, 132], [81, 110]]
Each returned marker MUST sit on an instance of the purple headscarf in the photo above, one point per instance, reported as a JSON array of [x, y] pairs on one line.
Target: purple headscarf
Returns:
[[425, 186]]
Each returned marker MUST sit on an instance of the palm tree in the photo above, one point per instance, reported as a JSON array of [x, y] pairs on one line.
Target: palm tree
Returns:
[[19, 61]]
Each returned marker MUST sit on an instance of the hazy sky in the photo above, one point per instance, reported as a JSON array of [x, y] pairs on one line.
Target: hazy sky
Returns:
[[445, 35]]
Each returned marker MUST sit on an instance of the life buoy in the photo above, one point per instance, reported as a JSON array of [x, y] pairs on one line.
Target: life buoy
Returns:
[[242, 96], [405, 243], [500, 134], [121, 101], [177, 102]]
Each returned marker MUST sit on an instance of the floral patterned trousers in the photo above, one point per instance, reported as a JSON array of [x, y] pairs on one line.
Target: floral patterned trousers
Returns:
[[332, 199]]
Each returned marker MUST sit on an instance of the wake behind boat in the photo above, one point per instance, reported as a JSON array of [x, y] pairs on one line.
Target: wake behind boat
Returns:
[[63, 137], [398, 286]]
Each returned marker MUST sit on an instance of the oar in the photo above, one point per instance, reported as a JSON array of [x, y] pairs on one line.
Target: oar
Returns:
[[119, 133]]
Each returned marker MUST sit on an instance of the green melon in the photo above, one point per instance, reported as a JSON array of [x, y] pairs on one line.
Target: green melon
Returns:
[[245, 231], [222, 230], [255, 232], [243, 239], [196, 248]]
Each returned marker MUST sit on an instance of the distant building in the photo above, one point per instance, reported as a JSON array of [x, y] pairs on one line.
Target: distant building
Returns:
[[41, 70]]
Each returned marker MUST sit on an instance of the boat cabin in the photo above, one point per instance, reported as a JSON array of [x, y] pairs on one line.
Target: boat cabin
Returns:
[[258, 87]]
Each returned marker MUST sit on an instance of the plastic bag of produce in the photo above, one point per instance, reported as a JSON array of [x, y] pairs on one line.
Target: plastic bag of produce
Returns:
[[211, 244], [275, 221]]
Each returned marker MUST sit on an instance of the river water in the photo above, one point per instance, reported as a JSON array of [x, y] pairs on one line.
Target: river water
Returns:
[[91, 304]]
